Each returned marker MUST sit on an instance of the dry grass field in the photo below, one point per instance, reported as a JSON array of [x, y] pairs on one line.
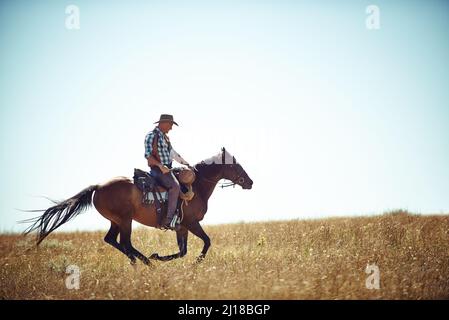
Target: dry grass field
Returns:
[[298, 259]]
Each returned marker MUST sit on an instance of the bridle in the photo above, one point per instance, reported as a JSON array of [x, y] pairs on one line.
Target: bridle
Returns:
[[240, 180]]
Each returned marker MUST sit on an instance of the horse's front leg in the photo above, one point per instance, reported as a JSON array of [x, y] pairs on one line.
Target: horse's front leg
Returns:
[[197, 230], [181, 237]]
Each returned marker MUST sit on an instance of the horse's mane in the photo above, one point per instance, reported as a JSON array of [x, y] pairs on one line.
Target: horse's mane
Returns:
[[214, 159], [218, 159]]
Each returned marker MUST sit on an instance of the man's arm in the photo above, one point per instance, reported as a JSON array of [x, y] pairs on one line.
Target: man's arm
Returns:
[[177, 157], [148, 154], [153, 162]]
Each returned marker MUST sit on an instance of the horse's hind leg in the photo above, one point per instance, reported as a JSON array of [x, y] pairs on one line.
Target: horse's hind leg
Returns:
[[181, 237], [125, 243], [111, 236]]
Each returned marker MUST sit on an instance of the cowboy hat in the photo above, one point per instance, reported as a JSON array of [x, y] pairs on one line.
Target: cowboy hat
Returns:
[[166, 118]]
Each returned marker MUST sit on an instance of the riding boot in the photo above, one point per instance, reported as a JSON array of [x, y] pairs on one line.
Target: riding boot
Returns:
[[172, 217], [172, 185], [168, 219], [170, 222]]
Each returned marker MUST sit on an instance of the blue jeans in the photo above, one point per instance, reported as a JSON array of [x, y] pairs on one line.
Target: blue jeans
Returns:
[[169, 182]]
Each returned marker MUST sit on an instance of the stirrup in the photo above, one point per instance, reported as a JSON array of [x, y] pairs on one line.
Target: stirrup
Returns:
[[174, 221], [173, 225]]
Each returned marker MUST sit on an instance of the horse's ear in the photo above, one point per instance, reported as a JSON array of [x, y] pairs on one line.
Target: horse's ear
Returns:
[[223, 158]]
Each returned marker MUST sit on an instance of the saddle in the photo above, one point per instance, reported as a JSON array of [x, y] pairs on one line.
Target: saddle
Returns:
[[154, 193]]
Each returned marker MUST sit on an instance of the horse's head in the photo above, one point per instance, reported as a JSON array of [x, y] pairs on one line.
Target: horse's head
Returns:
[[230, 169], [237, 175]]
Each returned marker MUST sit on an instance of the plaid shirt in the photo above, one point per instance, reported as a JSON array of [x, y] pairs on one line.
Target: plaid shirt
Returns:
[[163, 146]]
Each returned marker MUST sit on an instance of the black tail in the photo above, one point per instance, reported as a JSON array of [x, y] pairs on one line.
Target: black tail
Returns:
[[60, 213]]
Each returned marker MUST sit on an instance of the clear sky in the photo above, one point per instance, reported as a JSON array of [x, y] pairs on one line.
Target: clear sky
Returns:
[[327, 116]]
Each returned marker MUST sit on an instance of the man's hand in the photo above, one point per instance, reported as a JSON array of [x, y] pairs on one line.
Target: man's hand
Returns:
[[164, 169]]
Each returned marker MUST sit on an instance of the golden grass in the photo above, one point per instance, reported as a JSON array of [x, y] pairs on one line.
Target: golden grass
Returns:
[[299, 259]]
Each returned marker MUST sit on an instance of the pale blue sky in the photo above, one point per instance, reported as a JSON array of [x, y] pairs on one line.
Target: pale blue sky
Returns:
[[327, 117]]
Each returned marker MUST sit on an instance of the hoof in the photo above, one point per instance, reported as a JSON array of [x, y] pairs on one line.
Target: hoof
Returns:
[[154, 256], [200, 258]]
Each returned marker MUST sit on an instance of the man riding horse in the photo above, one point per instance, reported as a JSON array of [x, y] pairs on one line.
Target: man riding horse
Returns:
[[160, 154], [120, 200]]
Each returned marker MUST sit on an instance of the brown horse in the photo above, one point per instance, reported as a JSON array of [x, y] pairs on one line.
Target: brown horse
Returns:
[[120, 201]]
